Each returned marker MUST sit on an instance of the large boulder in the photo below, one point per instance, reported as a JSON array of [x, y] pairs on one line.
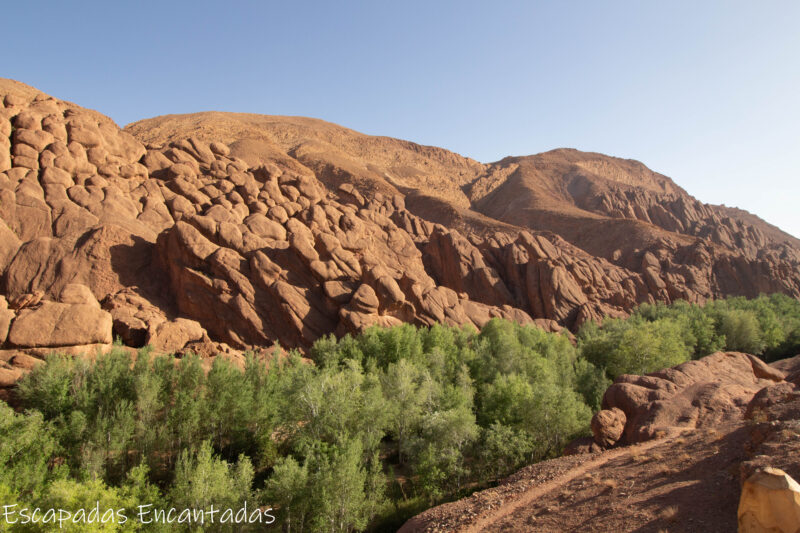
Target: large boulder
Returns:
[[54, 324], [770, 503], [173, 335], [774, 394]]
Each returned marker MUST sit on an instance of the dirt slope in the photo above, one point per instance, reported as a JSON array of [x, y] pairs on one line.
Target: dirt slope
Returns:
[[674, 484]]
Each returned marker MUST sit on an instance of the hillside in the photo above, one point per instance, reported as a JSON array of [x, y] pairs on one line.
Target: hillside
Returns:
[[679, 466], [224, 231]]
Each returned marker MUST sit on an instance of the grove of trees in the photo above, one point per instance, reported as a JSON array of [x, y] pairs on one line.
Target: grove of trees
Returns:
[[379, 426]]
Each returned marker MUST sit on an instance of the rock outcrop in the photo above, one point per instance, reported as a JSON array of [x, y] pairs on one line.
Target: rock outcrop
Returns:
[[702, 393]]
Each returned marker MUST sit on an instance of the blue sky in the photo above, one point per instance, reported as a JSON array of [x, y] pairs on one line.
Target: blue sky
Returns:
[[707, 93]]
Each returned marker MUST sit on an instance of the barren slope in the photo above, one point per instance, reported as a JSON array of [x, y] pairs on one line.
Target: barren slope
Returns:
[[335, 153]]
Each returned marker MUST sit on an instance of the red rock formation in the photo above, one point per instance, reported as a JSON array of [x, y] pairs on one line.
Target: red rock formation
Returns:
[[249, 230], [702, 393]]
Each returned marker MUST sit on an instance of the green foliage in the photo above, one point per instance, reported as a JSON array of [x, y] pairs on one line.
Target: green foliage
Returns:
[[502, 449], [288, 489], [47, 388], [591, 383], [83, 497], [383, 424], [635, 346], [439, 450], [25, 447], [337, 482], [741, 330], [408, 390], [767, 326], [202, 480]]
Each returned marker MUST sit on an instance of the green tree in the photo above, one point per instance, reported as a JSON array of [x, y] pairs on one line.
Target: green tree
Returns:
[[443, 438], [502, 449], [287, 489], [406, 388], [338, 478], [742, 332], [201, 479], [591, 383], [73, 496], [227, 406], [635, 346], [335, 405], [49, 388], [26, 447], [184, 414]]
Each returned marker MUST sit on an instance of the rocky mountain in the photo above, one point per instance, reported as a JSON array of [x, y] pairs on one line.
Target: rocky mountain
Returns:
[[221, 231]]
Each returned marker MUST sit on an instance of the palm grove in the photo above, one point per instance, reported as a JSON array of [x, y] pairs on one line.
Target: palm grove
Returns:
[[377, 428]]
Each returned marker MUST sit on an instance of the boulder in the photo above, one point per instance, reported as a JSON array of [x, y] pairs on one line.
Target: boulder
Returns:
[[582, 445], [770, 395], [264, 227], [24, 361], [365, 300], [75, 293], [54, 324], [608, 426], [219, 148], [30, 299], [770, 503], [173, 335], [9, 377]]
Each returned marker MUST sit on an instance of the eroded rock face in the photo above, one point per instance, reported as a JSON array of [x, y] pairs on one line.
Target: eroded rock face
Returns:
[[6, 316], [640, 220], [283, 230]]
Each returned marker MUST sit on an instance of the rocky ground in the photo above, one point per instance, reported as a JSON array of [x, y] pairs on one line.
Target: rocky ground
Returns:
[[691, 436]]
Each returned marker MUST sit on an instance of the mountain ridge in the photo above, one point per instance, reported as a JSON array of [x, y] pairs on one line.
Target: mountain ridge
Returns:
[[235, 230]]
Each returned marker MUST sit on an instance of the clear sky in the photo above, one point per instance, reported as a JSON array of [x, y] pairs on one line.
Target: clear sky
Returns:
[[706, 92]]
